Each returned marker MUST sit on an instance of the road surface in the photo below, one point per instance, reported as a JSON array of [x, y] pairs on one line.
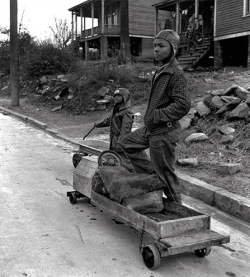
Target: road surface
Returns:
[[43, 234]]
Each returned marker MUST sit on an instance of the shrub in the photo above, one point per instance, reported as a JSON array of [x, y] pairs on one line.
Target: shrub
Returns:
[[44, 59]]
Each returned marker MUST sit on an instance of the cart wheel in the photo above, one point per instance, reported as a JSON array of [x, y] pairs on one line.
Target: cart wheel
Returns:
[[77, 157], [203, 252], [151, 256], [109, 158], [72, 198]]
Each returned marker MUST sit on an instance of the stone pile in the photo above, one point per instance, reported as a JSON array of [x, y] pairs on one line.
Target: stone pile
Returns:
[[232, 104]]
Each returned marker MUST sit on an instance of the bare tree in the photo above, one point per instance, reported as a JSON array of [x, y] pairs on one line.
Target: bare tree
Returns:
[[61, 33]]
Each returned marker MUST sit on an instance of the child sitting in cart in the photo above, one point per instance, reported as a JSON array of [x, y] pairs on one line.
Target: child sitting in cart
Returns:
[[120, 122]]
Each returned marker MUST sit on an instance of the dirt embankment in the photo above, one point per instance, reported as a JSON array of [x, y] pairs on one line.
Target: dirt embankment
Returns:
[[75, 118]]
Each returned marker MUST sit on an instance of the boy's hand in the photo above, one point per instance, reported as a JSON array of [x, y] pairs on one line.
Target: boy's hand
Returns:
[[119, 148]]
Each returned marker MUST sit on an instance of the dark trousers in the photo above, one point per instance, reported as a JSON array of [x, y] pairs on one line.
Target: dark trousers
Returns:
[[162, 157]]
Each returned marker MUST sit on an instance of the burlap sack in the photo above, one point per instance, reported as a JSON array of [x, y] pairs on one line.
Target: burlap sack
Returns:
[[150, 202]]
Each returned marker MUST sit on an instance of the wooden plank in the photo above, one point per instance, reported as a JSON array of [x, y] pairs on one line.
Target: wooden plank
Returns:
[[133, 218], [157, 229], [183, 225], [191, 241], [94, 147], [82, 175]]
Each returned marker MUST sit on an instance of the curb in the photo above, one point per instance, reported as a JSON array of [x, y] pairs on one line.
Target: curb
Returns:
[[225, 201], [28, 119]]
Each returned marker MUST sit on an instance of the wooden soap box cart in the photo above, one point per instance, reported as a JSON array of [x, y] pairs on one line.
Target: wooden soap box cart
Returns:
[[174, 230]]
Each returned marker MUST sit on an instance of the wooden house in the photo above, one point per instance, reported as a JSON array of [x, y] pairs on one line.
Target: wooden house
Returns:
[[99, 26], [232, 32]]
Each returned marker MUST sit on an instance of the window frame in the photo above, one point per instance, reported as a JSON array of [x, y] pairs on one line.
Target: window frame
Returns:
[[246, 8]]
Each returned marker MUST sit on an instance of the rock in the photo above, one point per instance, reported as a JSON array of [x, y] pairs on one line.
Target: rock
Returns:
[[196, 137], [187, 119], [248, 100], [225, 129], [43, 80], [101, 108], [242, 93], [91, 109], [108, 97], [228, 106], [202, 109], [241, 111], [58, 108], [185, 122], [189, 162], [61, 76], [217, 102], [210, 81], [229, 168], [217, 92], [102, 102], [4, 88], [230, 99], [103, 91], [64, 80], [231, 91], [227, 139]]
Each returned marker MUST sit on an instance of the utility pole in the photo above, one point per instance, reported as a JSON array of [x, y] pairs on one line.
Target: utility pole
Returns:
[[13, 54], [125, 40]]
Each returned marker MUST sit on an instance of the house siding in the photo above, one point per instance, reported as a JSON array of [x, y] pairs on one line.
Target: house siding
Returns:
[[147, 48], [230, 19], [141, 18]]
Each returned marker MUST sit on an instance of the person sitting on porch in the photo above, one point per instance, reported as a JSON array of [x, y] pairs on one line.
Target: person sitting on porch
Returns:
[[197, 31]]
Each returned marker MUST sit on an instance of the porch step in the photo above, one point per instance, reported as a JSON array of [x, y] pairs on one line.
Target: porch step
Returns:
[[189, 60]]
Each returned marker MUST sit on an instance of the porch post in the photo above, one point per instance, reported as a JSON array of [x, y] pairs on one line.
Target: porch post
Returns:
[[196, 10], [104, 47], [156, 21], [86, 50], [75, 26], [92, 16], [177, 17], [81, 22], [85, 33], [103, 19], [72, 25], [214, 19]]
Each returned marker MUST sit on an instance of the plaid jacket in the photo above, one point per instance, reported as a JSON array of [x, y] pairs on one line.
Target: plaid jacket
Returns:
[[169, 99]]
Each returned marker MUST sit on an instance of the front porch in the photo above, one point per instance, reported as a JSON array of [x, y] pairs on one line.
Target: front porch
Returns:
[[179, 17], [95, 17], [109, 30], [179, 13]]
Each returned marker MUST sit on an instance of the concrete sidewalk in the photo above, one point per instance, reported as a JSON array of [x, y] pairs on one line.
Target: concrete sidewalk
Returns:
[[228, 202]]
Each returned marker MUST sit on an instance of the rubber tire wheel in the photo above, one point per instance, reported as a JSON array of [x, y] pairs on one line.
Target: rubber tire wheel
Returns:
[[151, 256], [203, 252], [73, 198], [115, 159], [77, 157]]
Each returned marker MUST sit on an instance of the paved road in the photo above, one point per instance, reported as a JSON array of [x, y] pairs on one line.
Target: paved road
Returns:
[[42, 234]]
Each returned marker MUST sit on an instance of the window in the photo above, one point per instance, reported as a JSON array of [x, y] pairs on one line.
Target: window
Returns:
[[115, 18], [246, 7]]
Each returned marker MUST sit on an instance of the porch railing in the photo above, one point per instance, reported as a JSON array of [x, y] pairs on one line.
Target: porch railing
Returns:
[[108, 30]]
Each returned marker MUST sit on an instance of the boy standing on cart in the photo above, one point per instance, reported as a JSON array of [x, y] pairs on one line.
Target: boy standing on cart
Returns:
[[168, 102]]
